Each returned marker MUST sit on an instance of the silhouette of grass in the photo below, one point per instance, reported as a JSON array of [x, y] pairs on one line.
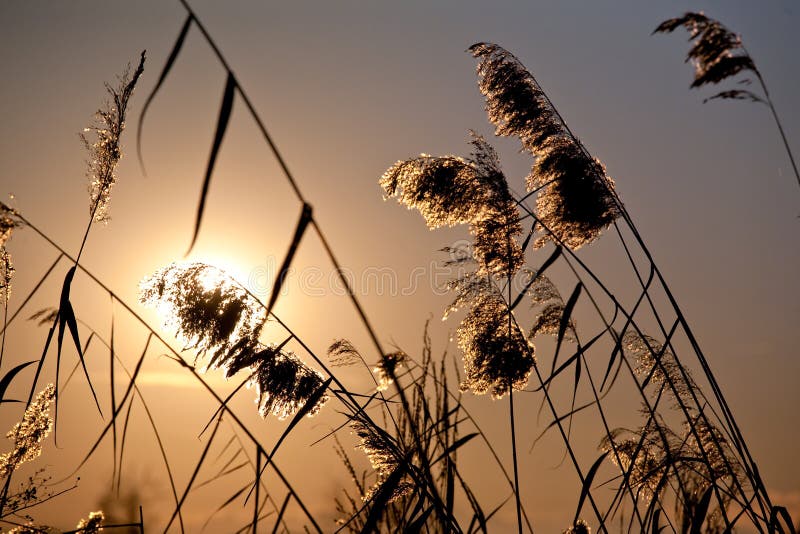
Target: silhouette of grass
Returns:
[[684, 468]]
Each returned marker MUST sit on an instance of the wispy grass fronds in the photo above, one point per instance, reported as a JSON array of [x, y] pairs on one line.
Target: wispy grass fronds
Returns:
[[211, 313], [643, 455], [9, 219], [575, 199], [342, 353], [656, 364], [549, 306], [716, 53], [384, 456], [497, 357], [6, 274], [29, 433], [93, 524], [387, 368], [451, 190], [719, 54], [580, 527], [284, 383], [218, 318], [104, 146]]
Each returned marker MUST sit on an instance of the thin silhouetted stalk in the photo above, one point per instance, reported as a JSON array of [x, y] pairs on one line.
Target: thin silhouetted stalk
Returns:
[[514, 456], [180, 360], [778, 124], [651, 409]]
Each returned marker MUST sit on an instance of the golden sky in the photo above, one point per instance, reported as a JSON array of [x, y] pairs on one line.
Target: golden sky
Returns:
[[346, 89]]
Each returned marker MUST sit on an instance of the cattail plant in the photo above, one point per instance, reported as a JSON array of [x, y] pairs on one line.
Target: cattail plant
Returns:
[[718, 55]]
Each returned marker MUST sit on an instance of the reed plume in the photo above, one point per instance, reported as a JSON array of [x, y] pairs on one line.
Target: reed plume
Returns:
[[575, 196], [549, 305], [104, 147], [9, 219], [716, 53], [384, 456], [497, 357], [451, 190], [719, 54], [93, 524], [580, 527], [218, 318], [6, 274], [29, 433]]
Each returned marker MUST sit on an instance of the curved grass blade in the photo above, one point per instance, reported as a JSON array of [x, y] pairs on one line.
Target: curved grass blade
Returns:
[[66, 317], [113, 394], [418, 523], [612, 359], [578, 353], [656, 517], [560, 418], [780, 511], [231, 499], [548, 262], [222, 124], [452, 448], [302, 412], [116, 412], [701, 510], [8, 377], [176, 48], [587, 485], [565, 318], [302, 224], [202, 459], [281, 512]]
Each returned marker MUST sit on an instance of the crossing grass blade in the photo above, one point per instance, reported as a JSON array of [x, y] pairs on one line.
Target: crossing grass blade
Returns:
[[302, 224], [222, 124]]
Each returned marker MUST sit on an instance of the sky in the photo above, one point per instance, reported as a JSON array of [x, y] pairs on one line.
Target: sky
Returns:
[[346, 89]]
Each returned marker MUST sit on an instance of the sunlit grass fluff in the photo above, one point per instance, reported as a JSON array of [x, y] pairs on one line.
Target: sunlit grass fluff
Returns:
[[29, 433], [497, 357], [104, 149], [6, 275], [9, 219], [221, 321], [716, 53], [451, 190], [575, 196]]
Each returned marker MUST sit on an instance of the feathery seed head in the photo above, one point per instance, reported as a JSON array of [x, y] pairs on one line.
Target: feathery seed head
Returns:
[[210, 311], [383, 454], [575, 200], [9, 219], [29, 433], [93, 524], [385, 370], [580, 527], [716, 53], [6, 274], [216, 316], [450, 190], [342, 353], [284, 384], [104, 149], [497, 356], [550, 308]]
